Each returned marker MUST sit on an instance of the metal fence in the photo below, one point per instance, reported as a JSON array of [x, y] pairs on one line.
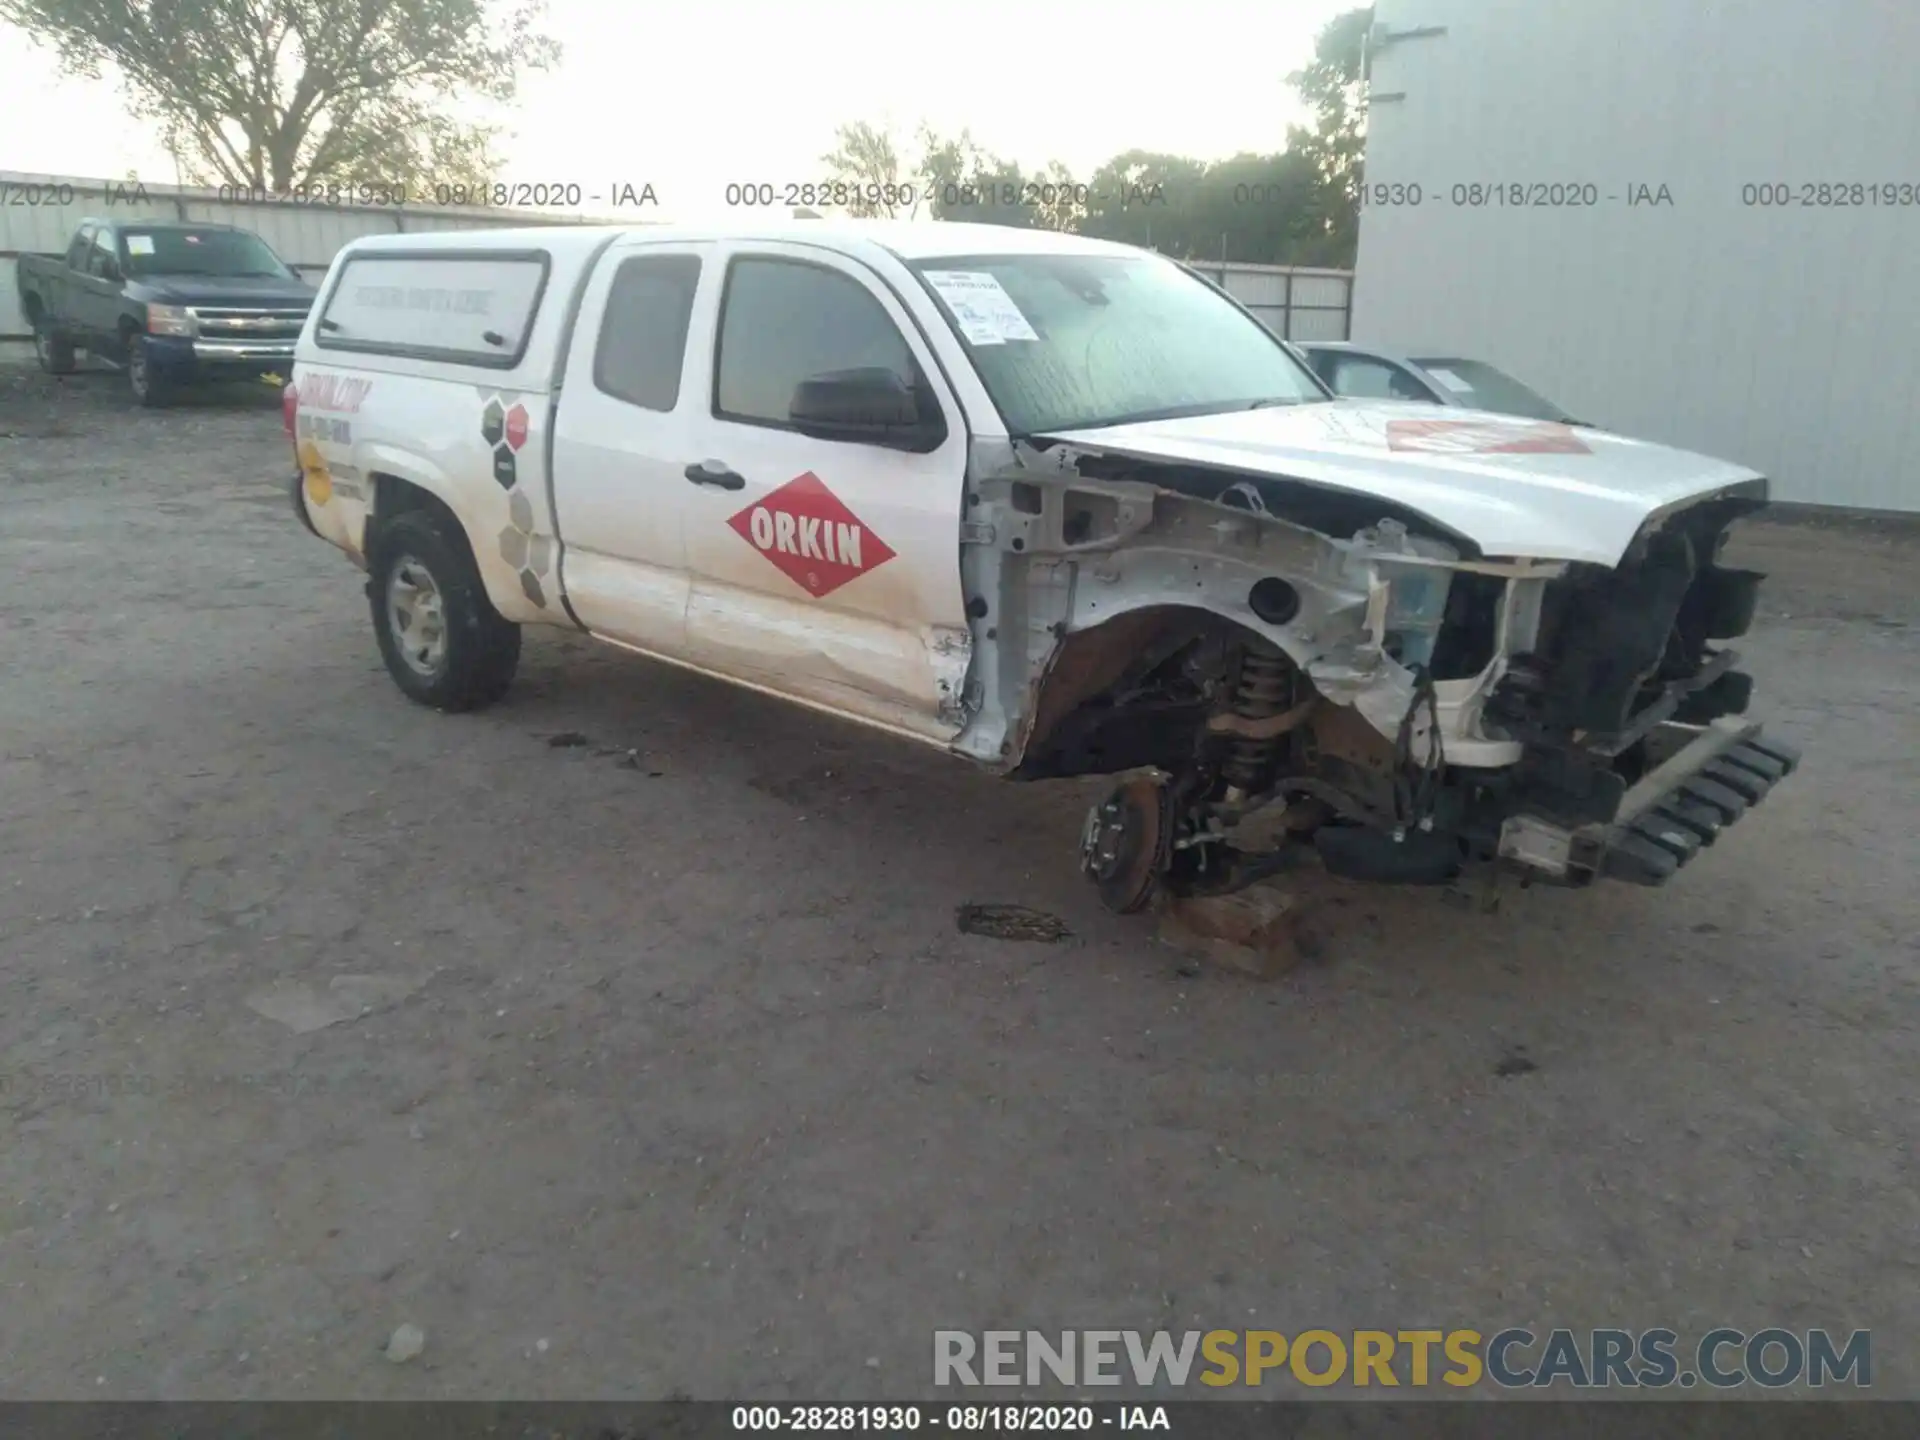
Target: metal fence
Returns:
[[39, 213], [1295, 302]]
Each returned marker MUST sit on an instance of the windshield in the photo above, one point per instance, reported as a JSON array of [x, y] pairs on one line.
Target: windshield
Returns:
[[176, 251], [1481, 387], [1070, 342]]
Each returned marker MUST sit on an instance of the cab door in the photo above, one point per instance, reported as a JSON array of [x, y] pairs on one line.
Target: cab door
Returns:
[[96, 294], [635, 386], [827, 570], [59, 286]]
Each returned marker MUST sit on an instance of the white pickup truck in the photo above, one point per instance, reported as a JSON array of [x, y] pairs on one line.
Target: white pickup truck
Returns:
[[1059, 507]]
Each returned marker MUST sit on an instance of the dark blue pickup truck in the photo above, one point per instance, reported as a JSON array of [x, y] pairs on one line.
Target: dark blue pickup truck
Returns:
[[169, 303]]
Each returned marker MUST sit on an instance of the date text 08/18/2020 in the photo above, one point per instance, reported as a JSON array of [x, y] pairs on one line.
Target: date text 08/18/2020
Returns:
[[1588, 194], [955, 197], [892, 1419], [455, 194]]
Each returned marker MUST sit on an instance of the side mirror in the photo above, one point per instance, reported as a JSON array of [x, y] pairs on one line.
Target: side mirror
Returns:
[[111, 271], [866, 406]]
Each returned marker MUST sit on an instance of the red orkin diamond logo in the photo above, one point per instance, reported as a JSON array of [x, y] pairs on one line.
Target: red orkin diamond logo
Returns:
[[815, 540], [1484, 437]]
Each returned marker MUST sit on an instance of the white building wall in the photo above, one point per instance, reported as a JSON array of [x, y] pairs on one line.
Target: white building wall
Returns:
[[1786, 337]]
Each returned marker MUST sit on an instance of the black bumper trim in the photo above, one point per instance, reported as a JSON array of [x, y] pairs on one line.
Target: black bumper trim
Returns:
[[300, 504], [1662, 836], [1730, 804], [1704, 821]]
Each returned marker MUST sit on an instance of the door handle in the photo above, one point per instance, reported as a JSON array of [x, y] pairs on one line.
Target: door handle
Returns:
[[716, 474]]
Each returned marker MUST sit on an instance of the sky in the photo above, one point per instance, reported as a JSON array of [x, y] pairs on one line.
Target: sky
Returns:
[[732, 91]]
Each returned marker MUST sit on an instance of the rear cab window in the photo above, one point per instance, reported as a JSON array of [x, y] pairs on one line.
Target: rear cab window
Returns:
[[642, 346], [460, 307]]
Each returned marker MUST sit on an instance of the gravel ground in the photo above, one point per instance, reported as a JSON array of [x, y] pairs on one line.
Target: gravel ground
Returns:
[[676, 1077]]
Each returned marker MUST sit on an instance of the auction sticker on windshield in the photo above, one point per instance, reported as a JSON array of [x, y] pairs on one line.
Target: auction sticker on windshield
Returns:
[[984, 311]]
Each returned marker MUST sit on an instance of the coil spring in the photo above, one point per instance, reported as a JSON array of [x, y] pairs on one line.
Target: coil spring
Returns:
[[1265, 687]]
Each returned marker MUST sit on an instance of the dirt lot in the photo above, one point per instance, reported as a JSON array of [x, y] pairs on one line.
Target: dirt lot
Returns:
[[678, 1077]]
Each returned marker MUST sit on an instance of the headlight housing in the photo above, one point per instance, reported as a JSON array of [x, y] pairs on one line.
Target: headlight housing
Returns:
[[171, 320], [1416, 607], [1414, 572]]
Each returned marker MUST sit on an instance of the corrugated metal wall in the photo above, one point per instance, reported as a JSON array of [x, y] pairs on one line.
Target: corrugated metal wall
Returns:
[[39, 213], [1784, 336], [1294, 302]]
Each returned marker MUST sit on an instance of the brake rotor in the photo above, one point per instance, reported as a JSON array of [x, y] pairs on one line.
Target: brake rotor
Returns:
[[1127, 844]]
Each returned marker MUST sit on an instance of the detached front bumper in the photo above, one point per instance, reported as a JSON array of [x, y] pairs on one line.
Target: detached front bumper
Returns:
[[1667, 817]]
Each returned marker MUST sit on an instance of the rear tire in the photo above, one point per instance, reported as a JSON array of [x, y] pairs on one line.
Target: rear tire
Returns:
[[444, 643], [53, 350]]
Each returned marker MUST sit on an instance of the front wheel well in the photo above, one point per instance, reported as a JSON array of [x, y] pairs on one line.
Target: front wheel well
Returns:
[[1119, 695]]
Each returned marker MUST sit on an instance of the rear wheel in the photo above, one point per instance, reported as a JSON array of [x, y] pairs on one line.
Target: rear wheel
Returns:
[[53, 350], [444, 643]]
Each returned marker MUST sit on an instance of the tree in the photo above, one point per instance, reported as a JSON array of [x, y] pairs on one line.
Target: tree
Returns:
[[270, 94], [1141, 198], [951, 172], [1297, 206], [866, 159], [967, 182], [950, 177], [1333, 85]]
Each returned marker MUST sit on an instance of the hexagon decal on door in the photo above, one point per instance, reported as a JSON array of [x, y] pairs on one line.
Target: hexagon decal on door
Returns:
[[528, 552], [506, 428]]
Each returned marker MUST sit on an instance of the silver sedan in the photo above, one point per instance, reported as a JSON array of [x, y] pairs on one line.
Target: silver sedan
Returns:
[[1366, 371]]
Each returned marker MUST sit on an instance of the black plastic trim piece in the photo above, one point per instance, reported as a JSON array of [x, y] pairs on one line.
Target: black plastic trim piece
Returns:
[[300, 505], [1682, 821]]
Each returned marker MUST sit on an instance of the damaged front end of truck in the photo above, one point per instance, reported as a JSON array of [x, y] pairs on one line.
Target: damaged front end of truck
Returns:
[[1284, 673]]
